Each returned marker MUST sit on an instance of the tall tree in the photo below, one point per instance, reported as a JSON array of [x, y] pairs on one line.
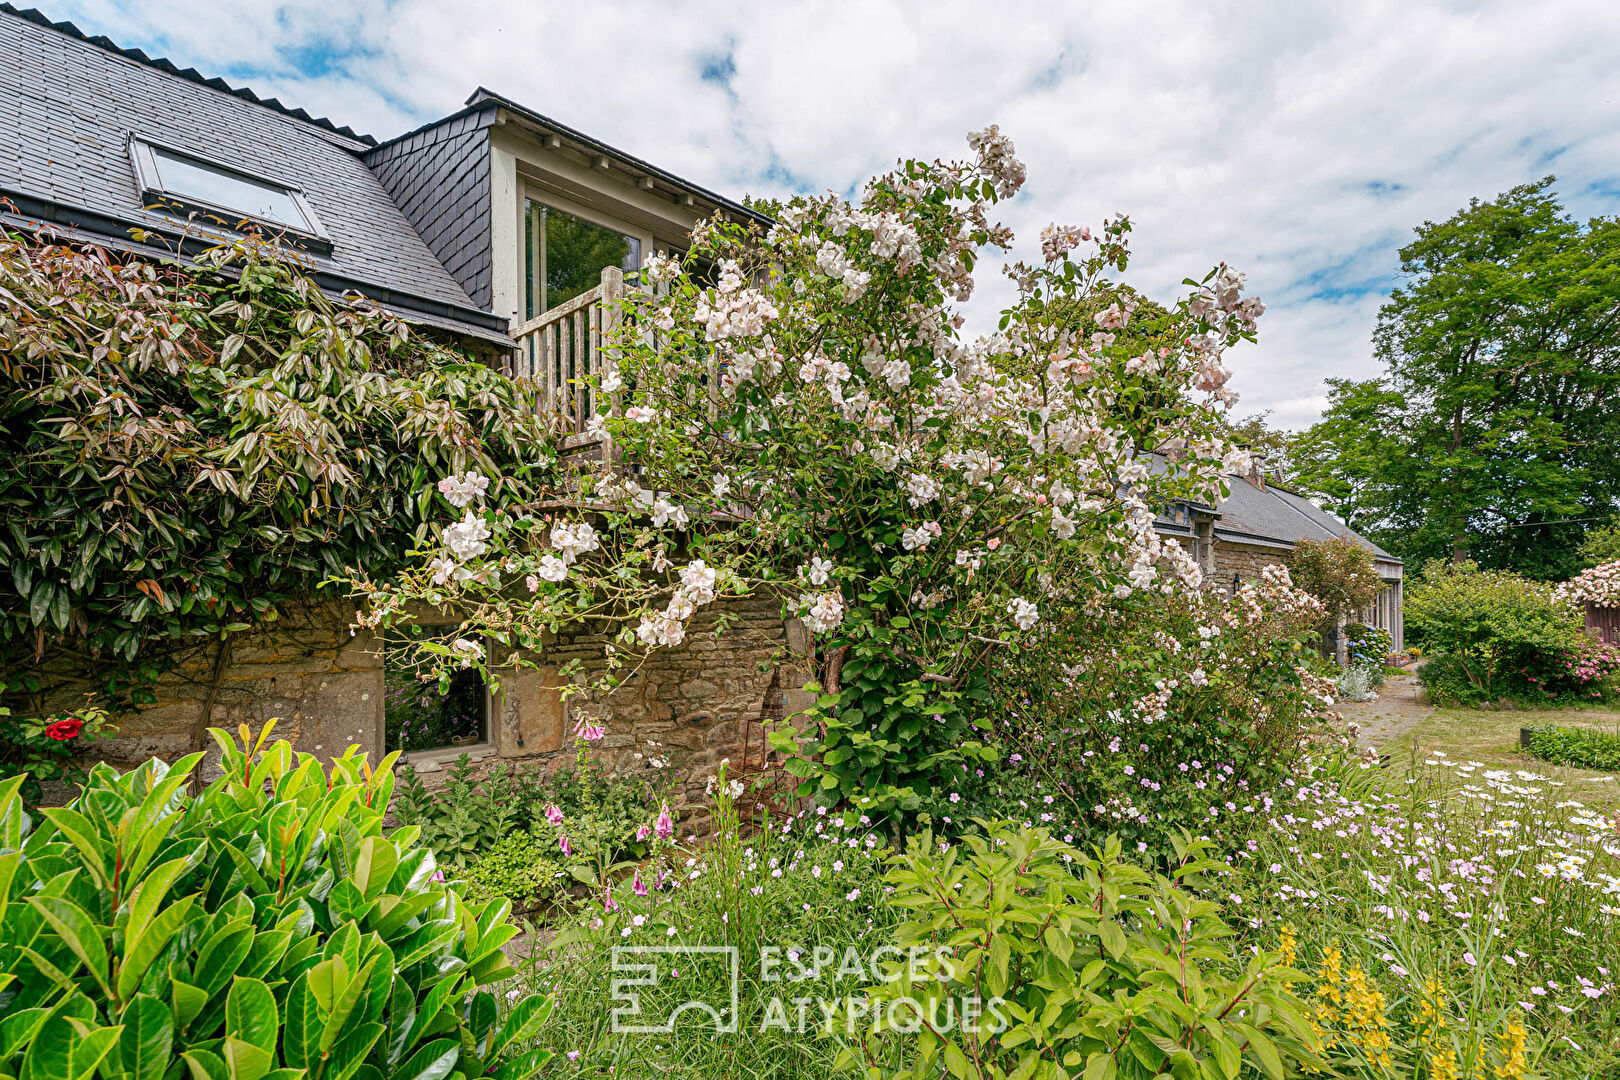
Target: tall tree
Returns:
[[1492, 435]]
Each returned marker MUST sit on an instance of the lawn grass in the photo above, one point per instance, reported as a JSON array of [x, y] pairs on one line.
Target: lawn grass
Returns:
[[1491, 736]]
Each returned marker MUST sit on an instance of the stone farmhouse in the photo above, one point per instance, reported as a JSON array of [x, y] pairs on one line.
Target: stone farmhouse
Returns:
[[1259, 523], [501, 229]]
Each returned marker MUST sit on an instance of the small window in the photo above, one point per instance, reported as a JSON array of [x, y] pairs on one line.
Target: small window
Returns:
[[170, 176], [416, 716]]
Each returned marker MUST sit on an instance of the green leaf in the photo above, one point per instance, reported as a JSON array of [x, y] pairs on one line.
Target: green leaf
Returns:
[[243, 1060], [147, 1043], [432, 1062], [79, 932], [1060, 943], [1113, 937], [1264, 1050], [205, 1065], [220, 957], [524, 1065], [85, 839], [188, 1002], [18, 1029], [1100, 1067], [349, 1053], [150, 945], [343, 1004], [374, 869], [300, 1039], [250, 1014], [526, 1017]]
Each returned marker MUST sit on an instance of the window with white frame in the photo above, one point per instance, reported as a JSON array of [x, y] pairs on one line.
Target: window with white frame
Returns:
[[231, 196]]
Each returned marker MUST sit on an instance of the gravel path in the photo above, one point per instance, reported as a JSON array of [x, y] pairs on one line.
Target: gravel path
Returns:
[[1399, 709]]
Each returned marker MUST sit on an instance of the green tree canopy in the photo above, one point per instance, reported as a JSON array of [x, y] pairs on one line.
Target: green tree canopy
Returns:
[[1491, 435]]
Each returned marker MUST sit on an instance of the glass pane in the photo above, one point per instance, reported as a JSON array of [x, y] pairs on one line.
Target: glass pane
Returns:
[[185, 178], [531, 259], [575, 253], [417, 717]]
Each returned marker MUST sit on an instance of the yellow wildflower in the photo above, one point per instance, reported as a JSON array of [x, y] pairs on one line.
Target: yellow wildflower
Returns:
[[1512, 1039], [1289, 944], [1443, 1065]]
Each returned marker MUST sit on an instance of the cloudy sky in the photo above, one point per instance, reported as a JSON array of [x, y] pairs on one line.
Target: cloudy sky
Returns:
[[1298, 141]]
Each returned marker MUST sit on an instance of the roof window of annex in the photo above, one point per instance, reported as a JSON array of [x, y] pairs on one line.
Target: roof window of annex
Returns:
[[170, 179]]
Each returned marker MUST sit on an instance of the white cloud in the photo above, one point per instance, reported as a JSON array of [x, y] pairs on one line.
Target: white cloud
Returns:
[[1299, 142]]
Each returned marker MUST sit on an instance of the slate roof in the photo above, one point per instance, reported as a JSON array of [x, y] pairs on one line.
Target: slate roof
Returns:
[[1279, 514], [1271, 516], [69, 105]]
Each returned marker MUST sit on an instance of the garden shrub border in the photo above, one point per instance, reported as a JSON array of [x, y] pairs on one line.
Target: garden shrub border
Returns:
[[1580, 748]]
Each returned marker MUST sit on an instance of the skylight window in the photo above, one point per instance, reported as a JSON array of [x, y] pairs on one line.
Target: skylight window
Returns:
[[170, 176]]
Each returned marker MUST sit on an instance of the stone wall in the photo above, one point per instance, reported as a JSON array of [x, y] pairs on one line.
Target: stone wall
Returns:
[[322, 683], [675, 718], [1244, 560]]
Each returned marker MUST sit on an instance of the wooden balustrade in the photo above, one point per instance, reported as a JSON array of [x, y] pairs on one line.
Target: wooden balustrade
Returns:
[[562, 349]]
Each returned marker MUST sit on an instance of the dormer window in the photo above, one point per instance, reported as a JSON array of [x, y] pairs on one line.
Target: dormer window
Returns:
[[174, 179]]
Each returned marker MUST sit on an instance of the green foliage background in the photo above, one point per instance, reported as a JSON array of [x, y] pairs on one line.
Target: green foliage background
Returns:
[[190, 447], [1491, 433]]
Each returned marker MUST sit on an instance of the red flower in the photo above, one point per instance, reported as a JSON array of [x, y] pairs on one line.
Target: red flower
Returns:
[[63, 730]]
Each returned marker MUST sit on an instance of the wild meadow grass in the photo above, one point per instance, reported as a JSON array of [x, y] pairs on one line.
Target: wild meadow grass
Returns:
[[1451, 919], [1459, 920], [806, 897]]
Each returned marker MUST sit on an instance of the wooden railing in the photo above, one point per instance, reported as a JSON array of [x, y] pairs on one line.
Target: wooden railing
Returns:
[[562, 349]]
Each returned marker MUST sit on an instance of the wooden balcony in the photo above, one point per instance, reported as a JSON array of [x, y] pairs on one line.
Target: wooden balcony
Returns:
[[562, 349]]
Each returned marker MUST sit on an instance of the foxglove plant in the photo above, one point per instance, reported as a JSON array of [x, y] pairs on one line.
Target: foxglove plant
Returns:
[[805, 420]]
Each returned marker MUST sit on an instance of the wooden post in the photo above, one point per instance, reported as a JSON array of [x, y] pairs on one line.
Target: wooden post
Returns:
[[609, 321]]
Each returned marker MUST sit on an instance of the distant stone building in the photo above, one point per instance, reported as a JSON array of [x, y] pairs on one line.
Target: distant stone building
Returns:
[[1258, 524]]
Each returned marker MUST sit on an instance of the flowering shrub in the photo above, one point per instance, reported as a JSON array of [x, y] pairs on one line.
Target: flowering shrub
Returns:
[[1492, 634], [1599, 586], [50, 748], [1339, 572], [1369, 646], [807, 422], [190, 447], [1165, 710], [1464, 923]]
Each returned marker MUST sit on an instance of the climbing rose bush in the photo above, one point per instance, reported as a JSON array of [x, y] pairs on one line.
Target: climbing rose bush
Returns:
[[804, 419], [1600, 586], [1178, 709]]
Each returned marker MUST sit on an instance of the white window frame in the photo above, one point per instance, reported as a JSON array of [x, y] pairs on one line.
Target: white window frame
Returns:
[[529, 190], [148, 179]]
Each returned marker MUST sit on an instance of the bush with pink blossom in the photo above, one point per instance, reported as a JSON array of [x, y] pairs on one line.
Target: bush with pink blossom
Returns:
[[801, 418], [1599, 586], [1161, 711]]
